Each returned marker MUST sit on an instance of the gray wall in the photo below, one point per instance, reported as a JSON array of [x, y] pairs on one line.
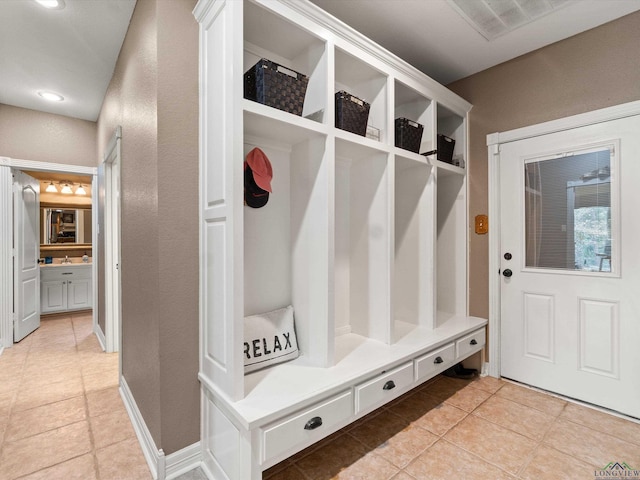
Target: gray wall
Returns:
[[154, 97], [596, 69], [44, 137]]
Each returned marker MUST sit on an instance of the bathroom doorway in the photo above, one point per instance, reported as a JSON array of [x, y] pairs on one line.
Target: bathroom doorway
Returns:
[[7, 166]]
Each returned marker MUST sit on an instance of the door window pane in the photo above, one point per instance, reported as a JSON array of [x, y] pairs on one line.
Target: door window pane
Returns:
[[568, 212]]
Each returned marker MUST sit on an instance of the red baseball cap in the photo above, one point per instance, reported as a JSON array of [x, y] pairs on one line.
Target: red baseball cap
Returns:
[[261, 168]]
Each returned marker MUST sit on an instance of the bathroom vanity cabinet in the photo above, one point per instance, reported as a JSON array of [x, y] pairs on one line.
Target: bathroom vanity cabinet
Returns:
[[65, 288], [366, 240]]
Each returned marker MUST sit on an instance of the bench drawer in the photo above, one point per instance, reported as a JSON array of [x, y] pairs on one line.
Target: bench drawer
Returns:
[[470, 344], [384, 387], [306, 427], [435, 362]]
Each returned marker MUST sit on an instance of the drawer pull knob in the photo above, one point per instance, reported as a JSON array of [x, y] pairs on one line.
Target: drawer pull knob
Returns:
[[438, 360], [473, 342], [389, 385], [314, 423]]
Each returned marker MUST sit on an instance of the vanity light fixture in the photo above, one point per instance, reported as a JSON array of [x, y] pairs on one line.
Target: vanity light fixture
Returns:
[[52, 4], [80, 190], [66, 189], [51, 188], [51, 96]]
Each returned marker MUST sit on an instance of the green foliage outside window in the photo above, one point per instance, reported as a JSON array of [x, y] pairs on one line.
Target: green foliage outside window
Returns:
[[592, 236]]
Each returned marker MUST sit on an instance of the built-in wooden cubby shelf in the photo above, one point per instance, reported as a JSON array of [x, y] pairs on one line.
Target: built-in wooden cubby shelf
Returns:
[[366, 241]]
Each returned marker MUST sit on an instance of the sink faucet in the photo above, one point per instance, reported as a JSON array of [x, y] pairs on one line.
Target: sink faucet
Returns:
[[66, 259]]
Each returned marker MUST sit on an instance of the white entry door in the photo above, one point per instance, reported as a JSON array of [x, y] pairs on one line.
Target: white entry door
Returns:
[[570, 263], [26, 211]]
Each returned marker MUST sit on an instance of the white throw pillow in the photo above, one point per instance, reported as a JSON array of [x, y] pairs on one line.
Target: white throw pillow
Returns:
[[269, 338]]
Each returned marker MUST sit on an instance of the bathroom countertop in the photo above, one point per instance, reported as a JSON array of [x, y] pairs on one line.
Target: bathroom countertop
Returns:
[[58, 264]]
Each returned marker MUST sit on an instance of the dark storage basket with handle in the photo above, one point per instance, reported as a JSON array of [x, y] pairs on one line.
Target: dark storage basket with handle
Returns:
[[408, 134], [352, 113], [445, 148], [276, 86]]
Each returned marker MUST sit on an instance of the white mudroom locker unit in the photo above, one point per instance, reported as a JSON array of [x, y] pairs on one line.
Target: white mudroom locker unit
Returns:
[[367, 241]]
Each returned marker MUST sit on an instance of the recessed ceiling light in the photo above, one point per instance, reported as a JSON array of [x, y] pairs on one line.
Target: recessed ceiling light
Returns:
[[51, 96], [52, 4]]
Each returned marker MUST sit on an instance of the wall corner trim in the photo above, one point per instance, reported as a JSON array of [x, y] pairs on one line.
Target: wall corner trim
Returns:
[[162, 467]]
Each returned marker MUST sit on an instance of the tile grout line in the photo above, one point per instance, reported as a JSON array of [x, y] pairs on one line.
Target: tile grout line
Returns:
[[485, 460], [541, 443], [94, 455], [14, 398], [75, 352]]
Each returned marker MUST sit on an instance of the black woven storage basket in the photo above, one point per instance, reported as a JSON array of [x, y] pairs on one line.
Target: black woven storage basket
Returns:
[[408, 134], [352, 113], [276, 86], [445, 148]]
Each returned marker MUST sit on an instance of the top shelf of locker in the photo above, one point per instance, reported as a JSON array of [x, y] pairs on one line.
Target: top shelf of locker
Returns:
[[306, 35]]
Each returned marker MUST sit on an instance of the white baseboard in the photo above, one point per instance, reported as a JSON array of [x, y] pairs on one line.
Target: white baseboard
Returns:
[[100, 335], [153, 455], [205, 469], [162, 467], [183, 461]]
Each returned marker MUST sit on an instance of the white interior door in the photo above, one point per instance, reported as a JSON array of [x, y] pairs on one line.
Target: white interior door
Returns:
[[26, 201], [570, 315], [112, 246]]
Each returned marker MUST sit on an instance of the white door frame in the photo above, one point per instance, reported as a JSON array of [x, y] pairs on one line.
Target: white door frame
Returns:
[[6, 236], [113, 311], [494, 141]]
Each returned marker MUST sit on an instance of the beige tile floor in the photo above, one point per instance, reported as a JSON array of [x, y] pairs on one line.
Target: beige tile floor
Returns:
[[470, 430], [61, 417]]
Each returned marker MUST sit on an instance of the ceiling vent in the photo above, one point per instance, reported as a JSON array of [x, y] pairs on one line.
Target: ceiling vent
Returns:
[[494, 18]]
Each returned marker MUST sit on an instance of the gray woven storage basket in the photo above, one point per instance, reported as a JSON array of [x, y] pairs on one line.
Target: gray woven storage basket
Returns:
[[276, 86], [352, 113]]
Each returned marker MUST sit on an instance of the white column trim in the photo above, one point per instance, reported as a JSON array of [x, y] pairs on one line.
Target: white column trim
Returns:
[[6, 257], [494, 261]]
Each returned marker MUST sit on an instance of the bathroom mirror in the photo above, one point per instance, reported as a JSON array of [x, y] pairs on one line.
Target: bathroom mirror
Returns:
[[65, 226]]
